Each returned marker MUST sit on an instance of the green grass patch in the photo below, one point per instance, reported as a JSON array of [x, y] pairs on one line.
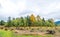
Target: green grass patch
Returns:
[[4, 33], [34, 36]]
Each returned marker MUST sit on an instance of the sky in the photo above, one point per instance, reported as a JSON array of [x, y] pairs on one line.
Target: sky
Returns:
[[17, 8]]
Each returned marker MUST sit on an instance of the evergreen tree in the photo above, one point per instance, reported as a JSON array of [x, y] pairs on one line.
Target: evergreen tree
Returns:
[[21, 21], [29, 23], [43, 22], [9, 22], [39, 20], [2, 22]]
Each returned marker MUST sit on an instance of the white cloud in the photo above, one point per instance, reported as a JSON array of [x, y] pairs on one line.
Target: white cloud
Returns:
[[16, 8], [11, 9]]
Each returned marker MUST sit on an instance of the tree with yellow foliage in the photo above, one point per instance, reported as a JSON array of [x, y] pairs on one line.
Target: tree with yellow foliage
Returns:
[[33, 19]]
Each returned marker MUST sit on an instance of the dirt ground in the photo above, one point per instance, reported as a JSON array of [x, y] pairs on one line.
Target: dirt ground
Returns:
[[35, 30], [38, 31]]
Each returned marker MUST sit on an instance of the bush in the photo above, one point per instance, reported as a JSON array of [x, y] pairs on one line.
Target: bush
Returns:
[[1, 28], [16, 32], [37, 28], [12, 29], [6, 29], [27, 28], [21, 29], [32, 30], [17, 28]]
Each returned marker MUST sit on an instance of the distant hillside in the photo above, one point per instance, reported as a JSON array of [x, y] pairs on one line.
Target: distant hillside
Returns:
[[57, 22]]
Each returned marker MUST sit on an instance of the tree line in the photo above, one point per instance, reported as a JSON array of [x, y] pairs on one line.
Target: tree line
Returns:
[[27, 22]]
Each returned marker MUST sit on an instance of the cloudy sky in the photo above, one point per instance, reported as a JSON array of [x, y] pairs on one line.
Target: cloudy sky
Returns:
[[17, 8]]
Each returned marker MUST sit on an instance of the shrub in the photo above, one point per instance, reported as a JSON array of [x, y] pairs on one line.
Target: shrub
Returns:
[[37, 28], [1, 28], [16, 32], [21, 29], [12, 29], [32, 30], [6, 29]]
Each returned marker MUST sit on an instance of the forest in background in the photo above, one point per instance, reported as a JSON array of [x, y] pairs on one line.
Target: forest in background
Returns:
[[28, 21]]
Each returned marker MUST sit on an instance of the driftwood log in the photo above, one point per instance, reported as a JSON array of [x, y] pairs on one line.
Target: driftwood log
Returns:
[[50, 32]]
